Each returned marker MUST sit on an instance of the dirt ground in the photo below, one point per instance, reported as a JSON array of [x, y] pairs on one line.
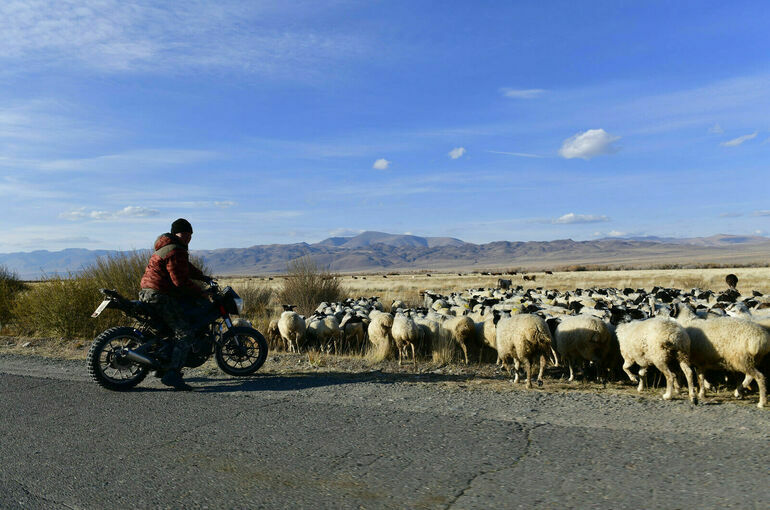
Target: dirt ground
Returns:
[[475, 376]]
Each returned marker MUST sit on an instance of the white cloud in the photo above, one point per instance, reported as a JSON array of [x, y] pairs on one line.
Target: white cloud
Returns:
[[762, 213], [344, 232], [588, 144], [117, 36], [737, 141], [381, 164], [730, 215], [130, 160], [572, 218], [616, 233], [716, 129], [521, 93], [225, 204], [457, 152], [131, 211]]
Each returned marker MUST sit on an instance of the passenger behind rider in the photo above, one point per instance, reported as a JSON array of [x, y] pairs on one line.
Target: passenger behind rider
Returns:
[[168, 285]]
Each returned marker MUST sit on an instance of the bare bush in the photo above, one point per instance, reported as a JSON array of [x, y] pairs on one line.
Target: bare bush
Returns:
[[10, 288], [306, 285]]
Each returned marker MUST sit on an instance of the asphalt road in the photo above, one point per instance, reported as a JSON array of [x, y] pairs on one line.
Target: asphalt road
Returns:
[[365, 441]]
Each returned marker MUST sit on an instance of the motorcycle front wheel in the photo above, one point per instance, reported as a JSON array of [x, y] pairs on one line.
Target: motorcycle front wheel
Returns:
[[107, 365], [242, 351]]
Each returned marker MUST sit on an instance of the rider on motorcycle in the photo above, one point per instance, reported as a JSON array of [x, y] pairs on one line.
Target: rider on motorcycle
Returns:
[[168, 285]]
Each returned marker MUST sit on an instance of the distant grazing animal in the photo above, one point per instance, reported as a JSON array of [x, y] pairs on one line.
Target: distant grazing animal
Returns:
[[731, 280], [504, 284]]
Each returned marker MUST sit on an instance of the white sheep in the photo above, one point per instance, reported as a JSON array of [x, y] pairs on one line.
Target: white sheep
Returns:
[[582, 338], [379, 333], [405, 333], [462, 330], [273, 334], [523, 338], [726, 343], [660, 342], [326, 331], [486, 334], [292, 327]]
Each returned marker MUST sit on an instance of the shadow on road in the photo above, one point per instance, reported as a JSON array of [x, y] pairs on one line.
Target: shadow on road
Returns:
[[303, 381]]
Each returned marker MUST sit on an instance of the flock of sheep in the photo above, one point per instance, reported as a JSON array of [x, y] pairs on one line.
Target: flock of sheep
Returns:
[[601, 329]]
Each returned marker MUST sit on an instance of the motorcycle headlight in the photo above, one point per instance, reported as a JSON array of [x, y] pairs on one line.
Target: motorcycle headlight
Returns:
[[239, 304]]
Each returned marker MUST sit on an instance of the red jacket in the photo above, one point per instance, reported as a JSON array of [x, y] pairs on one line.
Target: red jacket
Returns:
[[169, 269]]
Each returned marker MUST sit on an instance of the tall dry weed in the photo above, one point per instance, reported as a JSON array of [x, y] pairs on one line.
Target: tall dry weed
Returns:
[[10, 288], [307, 285]]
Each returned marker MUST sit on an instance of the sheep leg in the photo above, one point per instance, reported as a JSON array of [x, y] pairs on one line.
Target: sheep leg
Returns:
[[688, 376], [571, 370], [642, 377], [516, 367], [542, 369], [465, 352], [745, 384], [627, 369], [399, 354], [759, 376], [669, 375], [414, 358], [528, 369], [701, 385]]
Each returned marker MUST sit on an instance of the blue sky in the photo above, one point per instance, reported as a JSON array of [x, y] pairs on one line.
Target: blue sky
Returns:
[[279, 122]]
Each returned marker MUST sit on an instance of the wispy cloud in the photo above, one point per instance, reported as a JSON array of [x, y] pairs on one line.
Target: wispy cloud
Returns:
[[129, 160], [131, 211], [730, 215], [381, 164], [588, 144], [519, 154], [147, 36], [572, 218], [738, 141], [344, 232], [716, 129], [764, 212], [457, 152], [521, 93]]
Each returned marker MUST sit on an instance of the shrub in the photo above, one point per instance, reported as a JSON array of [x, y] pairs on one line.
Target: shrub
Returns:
[[10, 288], [306, 285], [256, 302], [62, 306]]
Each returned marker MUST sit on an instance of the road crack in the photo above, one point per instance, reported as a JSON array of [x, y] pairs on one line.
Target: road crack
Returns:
[[39, 497], [524, 454]]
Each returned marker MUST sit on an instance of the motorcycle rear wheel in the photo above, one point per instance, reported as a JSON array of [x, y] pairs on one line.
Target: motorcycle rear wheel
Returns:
[[242, 351], [107, 367]]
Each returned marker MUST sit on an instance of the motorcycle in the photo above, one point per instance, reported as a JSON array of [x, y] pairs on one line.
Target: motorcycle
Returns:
[[121, 357]]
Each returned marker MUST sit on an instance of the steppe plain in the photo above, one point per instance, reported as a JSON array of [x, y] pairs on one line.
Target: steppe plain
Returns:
[[324, 431]]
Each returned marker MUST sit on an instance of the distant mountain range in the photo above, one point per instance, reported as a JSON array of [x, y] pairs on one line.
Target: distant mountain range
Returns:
[[379, 251]]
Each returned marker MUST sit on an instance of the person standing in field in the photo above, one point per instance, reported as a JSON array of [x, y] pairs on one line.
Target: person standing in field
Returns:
[[167, 285]]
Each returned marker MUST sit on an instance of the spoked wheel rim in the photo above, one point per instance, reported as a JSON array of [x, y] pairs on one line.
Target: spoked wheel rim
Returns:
[[113, 364], [241, 352]]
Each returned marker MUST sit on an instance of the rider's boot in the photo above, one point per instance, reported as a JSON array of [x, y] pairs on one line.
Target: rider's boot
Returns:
[[173, 374]]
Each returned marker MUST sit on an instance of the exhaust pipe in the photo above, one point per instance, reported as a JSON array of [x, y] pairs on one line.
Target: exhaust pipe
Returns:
[[138, 358]]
